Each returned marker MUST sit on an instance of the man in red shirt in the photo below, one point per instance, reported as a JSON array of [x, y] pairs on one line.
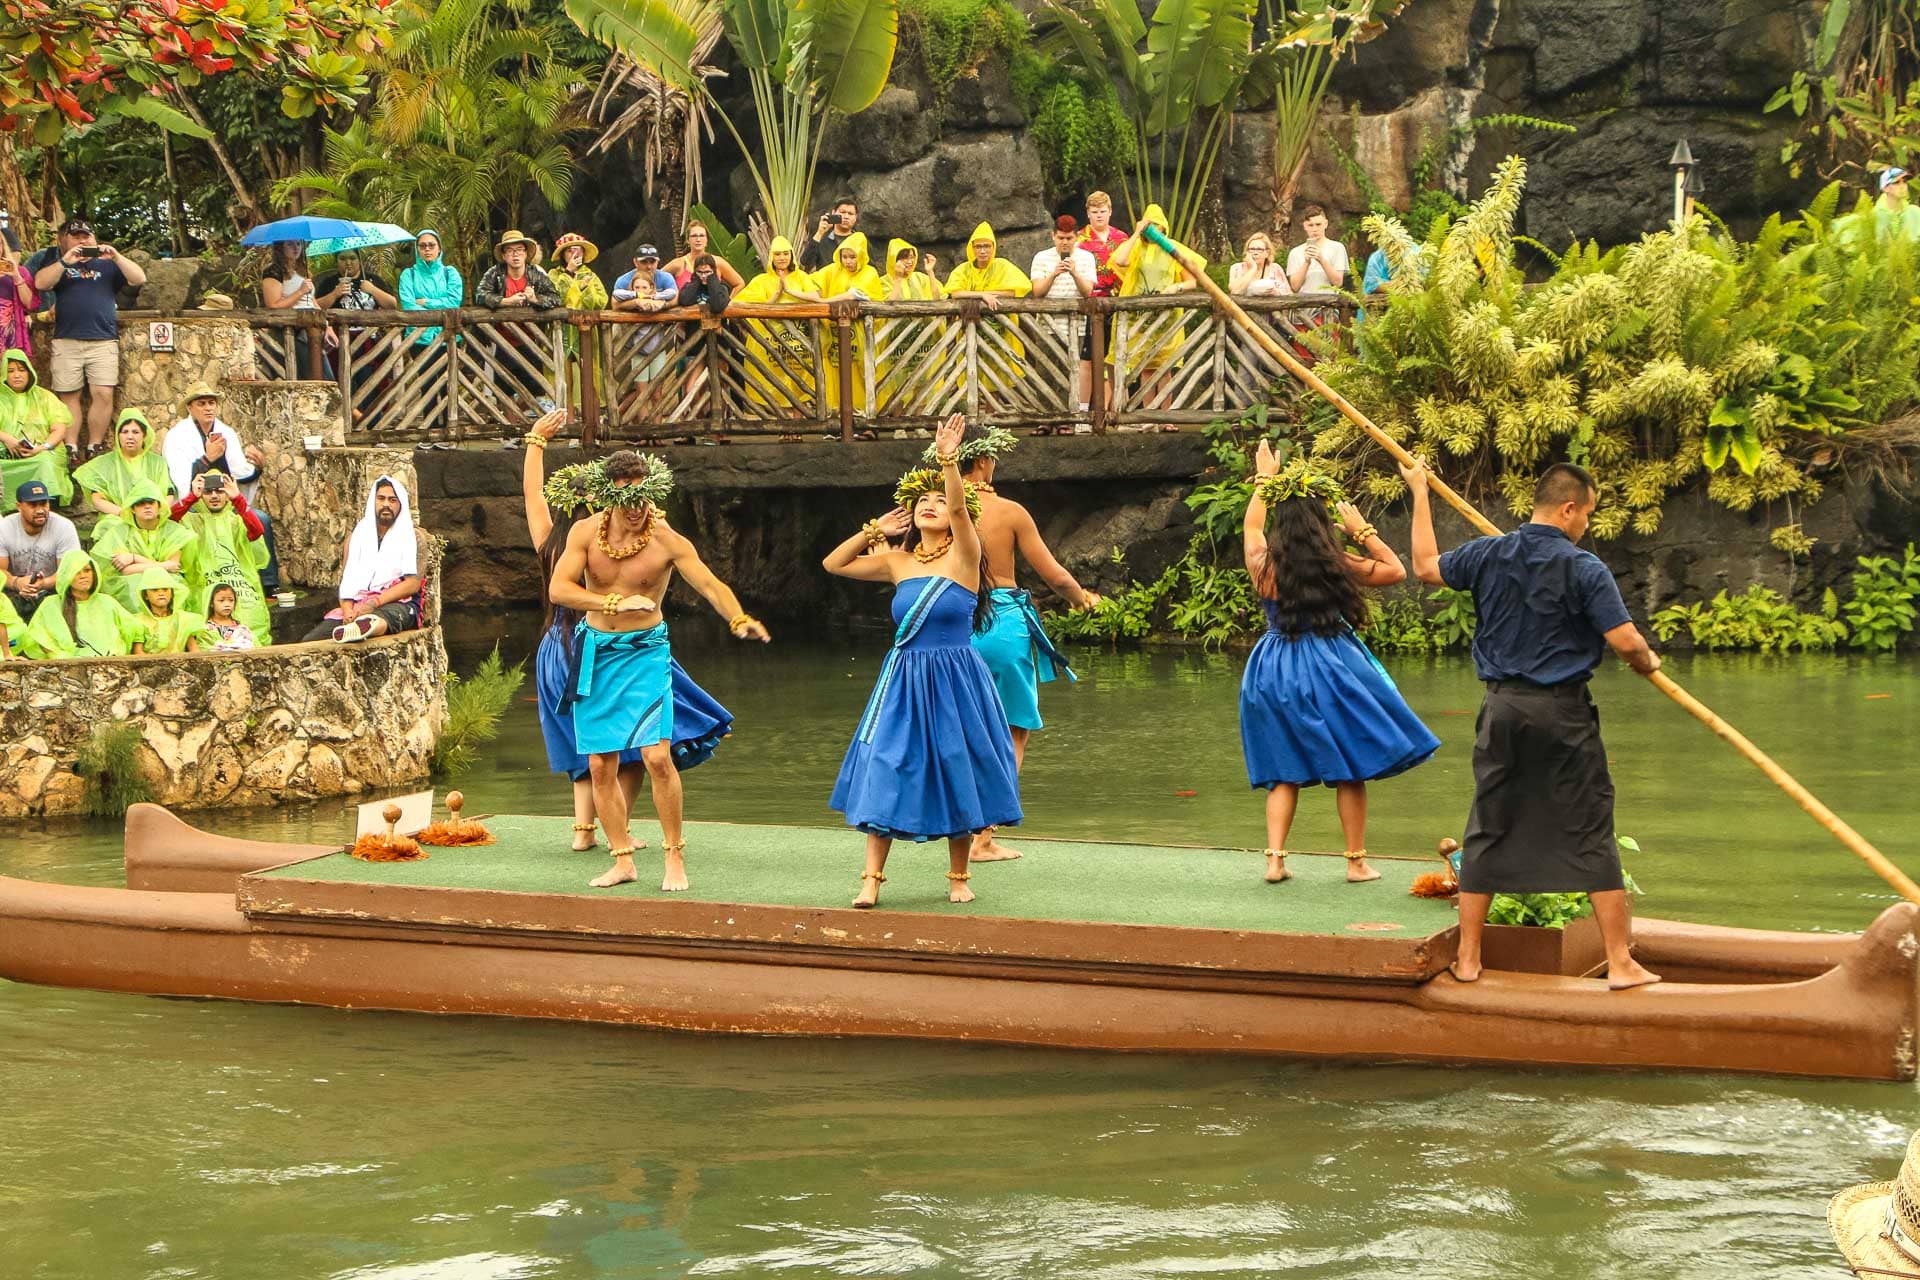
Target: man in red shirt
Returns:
[[1100, 239]]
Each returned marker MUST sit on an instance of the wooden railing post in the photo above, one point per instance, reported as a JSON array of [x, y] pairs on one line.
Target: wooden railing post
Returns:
[[1097, 348], [589, 381], [843, 366], [315, 327], [450, 342], [344, 374]]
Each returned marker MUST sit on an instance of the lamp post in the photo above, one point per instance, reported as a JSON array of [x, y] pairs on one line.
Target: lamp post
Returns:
[[1695, 189], [1682, 163]]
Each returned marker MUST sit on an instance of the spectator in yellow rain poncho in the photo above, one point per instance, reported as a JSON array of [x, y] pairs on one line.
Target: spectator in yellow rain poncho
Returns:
[[904, 282], [34, 427], [1149, 341], [987, 276], [847, 276], [779, 371], [140, 538]]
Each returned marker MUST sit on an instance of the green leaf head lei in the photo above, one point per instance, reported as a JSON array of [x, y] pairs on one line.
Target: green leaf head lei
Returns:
[[995, 442], [585, 487], [1298, 479], [916, 485]]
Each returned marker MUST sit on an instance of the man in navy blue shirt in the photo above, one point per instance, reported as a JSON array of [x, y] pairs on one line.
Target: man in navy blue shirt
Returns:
[[1542, 819], [82, 277]]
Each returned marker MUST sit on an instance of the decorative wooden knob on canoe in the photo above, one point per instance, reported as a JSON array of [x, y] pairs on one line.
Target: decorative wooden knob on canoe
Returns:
[[455, 802], [1448, 845], [392, 814]]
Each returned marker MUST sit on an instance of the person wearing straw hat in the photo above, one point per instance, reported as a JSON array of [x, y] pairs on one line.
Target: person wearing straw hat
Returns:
[[516, 283], [1542, 818], [580, 289], [1877, 1224], [200, 442]]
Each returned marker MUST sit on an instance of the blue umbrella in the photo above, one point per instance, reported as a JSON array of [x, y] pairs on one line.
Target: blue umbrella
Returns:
[[371, 235], [301, 228]]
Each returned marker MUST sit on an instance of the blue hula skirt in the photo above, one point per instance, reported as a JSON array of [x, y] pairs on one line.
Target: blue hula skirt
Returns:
[[932, 758], [1321, 709], [1019, 655], [699, 722]]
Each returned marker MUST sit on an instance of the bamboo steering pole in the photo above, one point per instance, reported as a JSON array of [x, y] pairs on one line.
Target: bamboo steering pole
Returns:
[[1835, 825]]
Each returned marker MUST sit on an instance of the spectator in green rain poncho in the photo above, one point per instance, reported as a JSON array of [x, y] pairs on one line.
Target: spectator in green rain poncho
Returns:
[[140, 538], [111, 477], [161, 610], [12, 630], [34, 425], [81, 621], [227, 548]]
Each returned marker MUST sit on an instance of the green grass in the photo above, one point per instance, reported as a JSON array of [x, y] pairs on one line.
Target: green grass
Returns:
[[814, 867]]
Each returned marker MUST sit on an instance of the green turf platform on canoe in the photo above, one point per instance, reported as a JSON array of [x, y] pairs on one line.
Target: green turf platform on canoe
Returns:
[[820, 867]]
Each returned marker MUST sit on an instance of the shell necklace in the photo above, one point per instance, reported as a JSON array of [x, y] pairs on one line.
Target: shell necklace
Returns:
[[927, 555], [633, 548]]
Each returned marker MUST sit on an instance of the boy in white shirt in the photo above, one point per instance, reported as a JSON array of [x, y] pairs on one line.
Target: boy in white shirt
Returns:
[[1067, 271], [1319, 265]]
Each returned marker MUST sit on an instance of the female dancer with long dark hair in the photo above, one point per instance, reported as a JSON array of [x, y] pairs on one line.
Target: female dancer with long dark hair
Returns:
[[1315, 706], [933, 757], [699, 721]]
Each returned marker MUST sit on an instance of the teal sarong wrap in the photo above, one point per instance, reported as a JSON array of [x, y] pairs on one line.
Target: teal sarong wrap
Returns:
[[621, 695], [1021, 657]]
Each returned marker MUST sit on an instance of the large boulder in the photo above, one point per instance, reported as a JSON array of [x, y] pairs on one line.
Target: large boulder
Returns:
[[938, 200], [1429, 44], [1610, 181], [897, 129]]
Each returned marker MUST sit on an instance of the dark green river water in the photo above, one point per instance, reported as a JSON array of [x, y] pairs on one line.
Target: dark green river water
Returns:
[[162, 1138]]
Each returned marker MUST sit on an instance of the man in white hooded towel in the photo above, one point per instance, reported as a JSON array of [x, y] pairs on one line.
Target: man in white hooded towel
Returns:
[[380, 586]]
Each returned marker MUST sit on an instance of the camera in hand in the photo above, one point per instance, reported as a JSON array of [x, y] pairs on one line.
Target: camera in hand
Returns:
[[213, 481], [88, 251]]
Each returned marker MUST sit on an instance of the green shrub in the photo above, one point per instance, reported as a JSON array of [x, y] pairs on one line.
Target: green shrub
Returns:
[[1755, 619], [109, 762], [950, 38], [474, 707], [1883, 605]]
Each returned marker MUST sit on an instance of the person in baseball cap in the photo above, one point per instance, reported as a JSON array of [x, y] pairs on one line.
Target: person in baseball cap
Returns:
[[32, 540]]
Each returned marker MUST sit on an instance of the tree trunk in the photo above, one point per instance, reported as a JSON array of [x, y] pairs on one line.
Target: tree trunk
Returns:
[[176, 211], [17, 195], [245, 197]]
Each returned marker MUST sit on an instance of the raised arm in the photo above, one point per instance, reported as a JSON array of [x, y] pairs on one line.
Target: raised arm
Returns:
[[1379, 567], [1426, 548], [1253, 529], [850, 558], [966, 537], [715, 592], [1033, 549], [533, 478]]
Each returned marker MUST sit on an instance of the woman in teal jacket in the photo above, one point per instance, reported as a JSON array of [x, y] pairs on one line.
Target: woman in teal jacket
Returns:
[[430, 284]]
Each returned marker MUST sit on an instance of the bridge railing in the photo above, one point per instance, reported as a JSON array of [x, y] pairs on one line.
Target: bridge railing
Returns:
[[841, 368]]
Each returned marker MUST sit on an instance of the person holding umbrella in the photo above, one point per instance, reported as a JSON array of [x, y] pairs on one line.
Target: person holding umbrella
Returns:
[[287, 284], [351, 287]]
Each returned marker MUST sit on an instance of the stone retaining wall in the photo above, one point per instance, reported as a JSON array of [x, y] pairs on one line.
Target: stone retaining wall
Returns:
[[295, 722]]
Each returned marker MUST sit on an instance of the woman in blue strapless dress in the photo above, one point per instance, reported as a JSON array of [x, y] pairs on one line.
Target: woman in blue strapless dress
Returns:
[[932, 758], [699, 722], [1315, 706]]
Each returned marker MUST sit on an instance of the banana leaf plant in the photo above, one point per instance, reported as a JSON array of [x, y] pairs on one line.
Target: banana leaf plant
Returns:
[[1179, 78], [804, 60], [1305, 41]]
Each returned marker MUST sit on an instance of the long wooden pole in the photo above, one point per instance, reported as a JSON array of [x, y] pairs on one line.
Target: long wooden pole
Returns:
[[1834, 824]]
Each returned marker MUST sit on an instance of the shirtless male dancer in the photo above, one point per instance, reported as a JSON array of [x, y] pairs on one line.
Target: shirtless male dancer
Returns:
[[623, 692], [1016, 648]]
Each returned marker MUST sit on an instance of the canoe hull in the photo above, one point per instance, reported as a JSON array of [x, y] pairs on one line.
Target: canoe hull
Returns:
[[1814, 1005]]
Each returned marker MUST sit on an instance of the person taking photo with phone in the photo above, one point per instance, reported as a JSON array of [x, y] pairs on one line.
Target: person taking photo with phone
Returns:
[[835, 226], [83, 277]]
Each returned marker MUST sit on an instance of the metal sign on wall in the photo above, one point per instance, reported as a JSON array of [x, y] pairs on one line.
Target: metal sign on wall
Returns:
[[160, 335]]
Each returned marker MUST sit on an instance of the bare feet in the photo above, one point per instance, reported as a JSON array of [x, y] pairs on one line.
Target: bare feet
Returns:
[[870, 882], [1463, 972], [1358, 872], [957, 890], [583, 831], [987, 848], [1625, 977], [675, 856], [1277, 867], [622, 873]]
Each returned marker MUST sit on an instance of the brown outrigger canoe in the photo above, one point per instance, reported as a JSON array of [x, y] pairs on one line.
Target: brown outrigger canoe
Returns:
[[210, 916]]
